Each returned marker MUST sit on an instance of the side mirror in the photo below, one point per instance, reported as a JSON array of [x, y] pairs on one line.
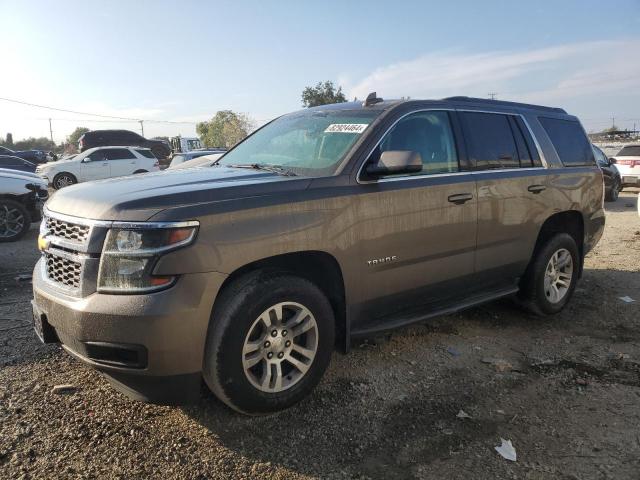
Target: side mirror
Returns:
[[394, 162], [612, 161]]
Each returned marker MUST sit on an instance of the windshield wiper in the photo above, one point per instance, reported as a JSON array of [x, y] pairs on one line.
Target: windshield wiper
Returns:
[[280, 170]]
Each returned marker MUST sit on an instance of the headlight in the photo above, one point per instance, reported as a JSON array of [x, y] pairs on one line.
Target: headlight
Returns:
[[130, 254]]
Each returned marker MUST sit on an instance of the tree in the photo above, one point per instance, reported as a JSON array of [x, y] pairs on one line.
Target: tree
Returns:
[[322, 94], [74, 137], [9, 141], [225, 129], [32, 143]]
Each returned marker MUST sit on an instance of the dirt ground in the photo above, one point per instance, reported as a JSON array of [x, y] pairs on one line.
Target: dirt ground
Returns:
[[565, 390]]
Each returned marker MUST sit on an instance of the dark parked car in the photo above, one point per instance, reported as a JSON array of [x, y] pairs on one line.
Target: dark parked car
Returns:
[[16, 163], [325, 225], [34, 156], [125, 138], [610, 173], [21, 198]]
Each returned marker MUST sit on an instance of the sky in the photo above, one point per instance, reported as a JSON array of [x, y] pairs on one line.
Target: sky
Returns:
[[181, 61]]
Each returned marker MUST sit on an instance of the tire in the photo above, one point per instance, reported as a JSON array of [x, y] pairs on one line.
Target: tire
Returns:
[[15, 220], [235, 321], [612, 195], [535, 293], [64, 179]]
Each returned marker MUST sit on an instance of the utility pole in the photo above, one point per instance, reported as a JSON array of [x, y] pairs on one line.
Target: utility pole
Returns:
[[492, 96], [613, 122], [51, 131], [142, 126]]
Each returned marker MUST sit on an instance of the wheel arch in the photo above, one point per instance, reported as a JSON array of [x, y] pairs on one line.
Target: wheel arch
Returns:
[[568, 221], [319, 267]]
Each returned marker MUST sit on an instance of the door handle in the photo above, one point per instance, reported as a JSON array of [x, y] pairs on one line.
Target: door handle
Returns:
[[536, 188], [460, 198]]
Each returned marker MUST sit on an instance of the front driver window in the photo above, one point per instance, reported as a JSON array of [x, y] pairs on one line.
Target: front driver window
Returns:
[[429, 134]]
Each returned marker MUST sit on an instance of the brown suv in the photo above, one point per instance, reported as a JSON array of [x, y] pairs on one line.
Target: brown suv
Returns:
[[324, 225]]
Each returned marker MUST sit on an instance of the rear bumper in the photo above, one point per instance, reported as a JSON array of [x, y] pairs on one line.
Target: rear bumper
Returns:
[[150, 347], [630, 179]]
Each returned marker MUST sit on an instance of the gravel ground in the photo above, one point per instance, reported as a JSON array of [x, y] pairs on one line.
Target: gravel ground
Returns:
[[565, 390]]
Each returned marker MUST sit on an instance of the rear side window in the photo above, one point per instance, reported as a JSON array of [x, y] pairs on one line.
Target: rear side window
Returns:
[[569, 140], [146, 153], [118, 154], [629, 151], [490, 140], [8, 161]]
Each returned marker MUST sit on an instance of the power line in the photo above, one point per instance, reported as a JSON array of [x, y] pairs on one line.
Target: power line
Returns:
[[20, 102]]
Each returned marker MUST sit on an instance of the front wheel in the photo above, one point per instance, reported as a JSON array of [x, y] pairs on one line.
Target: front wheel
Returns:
[[551, 277], [14, 220], [64, 179], [269, 342]]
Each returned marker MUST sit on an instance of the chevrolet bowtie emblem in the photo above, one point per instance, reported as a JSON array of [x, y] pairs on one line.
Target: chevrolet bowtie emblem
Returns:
[[43, 243]]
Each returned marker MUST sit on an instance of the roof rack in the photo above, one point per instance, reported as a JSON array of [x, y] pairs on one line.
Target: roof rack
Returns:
[[486, 101]]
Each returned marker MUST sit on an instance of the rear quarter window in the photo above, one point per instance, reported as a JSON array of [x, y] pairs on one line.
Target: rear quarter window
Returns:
[[569, 140]]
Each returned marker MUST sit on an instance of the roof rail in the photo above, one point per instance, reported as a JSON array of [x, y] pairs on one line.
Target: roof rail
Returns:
[[486, 101]]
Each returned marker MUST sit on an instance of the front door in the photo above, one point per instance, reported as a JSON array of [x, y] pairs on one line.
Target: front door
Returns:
[[95, 167], [418, 231]]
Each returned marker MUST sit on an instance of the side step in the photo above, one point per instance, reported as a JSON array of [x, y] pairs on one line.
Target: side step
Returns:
[[393, 322]]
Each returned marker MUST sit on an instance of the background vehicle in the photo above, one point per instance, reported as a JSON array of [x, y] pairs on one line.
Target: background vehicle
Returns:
[[34, 156], [181, 158], [16, 163], [204, 161], [628, 162], [329, 223], [181, 144], [100, 138], [21, 198], [611, 175], [98, 163]]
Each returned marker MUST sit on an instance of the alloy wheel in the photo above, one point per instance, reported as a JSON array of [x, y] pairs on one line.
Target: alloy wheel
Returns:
[[558, 275], [64, 181], [280, 347], [11, 221]]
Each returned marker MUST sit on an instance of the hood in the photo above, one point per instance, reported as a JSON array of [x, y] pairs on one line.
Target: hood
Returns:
[[27, 176], [139, 197]]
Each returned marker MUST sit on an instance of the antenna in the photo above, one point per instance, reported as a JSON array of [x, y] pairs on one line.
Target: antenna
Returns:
[[372, 99]]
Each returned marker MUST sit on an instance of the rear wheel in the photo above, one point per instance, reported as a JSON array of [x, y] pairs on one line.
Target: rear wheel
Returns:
[[612, 195], [14, 220], [269, 342], [64, 179], [551, 277]]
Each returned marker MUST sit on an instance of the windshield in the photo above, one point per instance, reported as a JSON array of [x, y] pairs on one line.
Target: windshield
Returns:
[[629, 151], [311, 143]]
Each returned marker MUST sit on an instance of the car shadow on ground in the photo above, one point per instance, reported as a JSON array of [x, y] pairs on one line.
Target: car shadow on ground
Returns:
[[626, 202]]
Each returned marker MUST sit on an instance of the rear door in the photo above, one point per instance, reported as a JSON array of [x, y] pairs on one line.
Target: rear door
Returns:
[[418, 231], [513, 196], [122, 161]]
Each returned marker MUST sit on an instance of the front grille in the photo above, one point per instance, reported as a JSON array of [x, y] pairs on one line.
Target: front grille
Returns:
[[62, 270], [67, 230]]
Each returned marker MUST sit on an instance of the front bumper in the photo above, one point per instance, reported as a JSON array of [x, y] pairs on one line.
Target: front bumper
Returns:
[[145, 344]]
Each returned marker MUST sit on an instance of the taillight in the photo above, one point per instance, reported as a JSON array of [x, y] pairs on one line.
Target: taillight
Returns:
[[631, 163]]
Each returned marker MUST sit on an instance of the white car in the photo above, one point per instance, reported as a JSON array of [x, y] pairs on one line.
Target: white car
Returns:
[[97, 163], [628, 163], [201, 161]]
